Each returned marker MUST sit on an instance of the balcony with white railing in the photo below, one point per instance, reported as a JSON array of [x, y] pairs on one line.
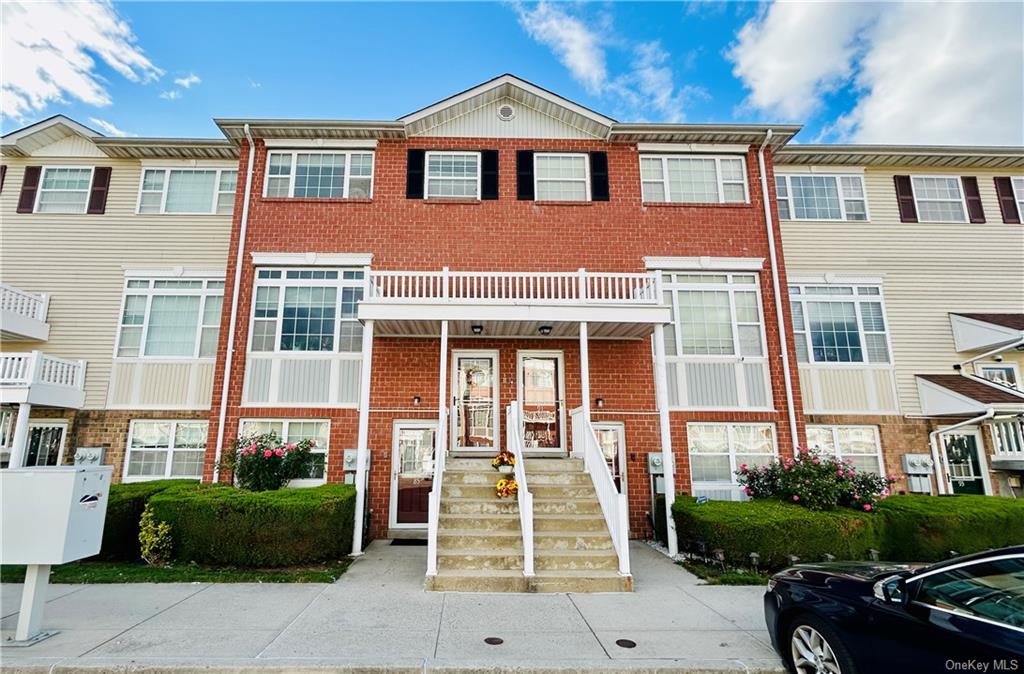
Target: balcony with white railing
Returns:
[[1008, 442], [40, 379], [617, 303], [23, 314]]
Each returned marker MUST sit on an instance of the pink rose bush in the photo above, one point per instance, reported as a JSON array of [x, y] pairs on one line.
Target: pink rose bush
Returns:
[[263, 462], [816, 481]]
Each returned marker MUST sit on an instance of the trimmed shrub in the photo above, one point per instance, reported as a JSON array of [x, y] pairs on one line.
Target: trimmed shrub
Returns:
[[124, 510], [927, 528], [222, 525]]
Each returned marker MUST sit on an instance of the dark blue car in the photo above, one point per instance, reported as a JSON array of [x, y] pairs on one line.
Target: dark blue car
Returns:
[[961, 615]]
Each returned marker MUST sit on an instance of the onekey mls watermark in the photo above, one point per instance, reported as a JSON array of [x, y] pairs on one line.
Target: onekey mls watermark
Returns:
[[1003, 665]]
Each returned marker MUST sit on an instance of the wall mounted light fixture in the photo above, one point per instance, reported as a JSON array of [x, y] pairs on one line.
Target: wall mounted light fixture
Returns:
[[477, 329], [599, 402], [544, 330], [416, 401]]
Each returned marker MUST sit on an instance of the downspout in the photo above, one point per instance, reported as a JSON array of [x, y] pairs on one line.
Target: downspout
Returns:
[[776, 287], [933, 440], [230, 351]]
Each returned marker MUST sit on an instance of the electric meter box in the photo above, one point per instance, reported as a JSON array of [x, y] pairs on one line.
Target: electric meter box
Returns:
[[52, 515]]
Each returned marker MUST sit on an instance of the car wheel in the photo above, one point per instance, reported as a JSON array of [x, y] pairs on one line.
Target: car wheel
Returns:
[[815, 648]]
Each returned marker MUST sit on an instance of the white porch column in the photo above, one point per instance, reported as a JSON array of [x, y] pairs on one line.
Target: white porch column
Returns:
[[362, 441], [584, 382], [441, 444], [20, 441], [668, 458]]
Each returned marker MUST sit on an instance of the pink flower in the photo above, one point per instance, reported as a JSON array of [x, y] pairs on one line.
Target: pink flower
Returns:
[[748, 491], [743, 467], [279, 452], [796, 497], [886, 492], [312, 443], [252, 447], [267, 453], [816, 461], [867, 506]]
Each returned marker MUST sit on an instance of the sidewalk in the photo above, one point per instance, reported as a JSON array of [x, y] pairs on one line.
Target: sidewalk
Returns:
[[377, 618]]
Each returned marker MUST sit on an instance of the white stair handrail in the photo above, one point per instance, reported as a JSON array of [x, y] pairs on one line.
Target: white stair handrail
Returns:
[[514, 443], [434, 507], [614, 505]]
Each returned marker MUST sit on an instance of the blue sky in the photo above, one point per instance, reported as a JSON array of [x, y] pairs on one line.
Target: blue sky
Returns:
[[826, 65]]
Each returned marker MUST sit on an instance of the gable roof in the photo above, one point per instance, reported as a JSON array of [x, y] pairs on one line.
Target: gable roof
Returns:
[[1012, 321], [23, 142], [975, 388]]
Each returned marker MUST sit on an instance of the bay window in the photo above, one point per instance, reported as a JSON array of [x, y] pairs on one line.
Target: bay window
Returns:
[[821, 197], [294, 431], [839, 324], [159, 449], [696, 179], [452, 175], [717, 450], [319, 175], [561, 177], [170, 318], [187, 191], [857, 444], [939, 198], [64, 190]]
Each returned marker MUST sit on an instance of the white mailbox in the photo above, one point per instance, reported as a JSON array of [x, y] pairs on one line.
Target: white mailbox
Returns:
[[49, 515]]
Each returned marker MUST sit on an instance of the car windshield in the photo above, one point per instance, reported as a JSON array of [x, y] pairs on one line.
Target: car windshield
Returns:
[[992, 589]]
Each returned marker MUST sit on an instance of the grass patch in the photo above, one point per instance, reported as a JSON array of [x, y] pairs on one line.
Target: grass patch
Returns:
[[715, 575], [139, 572]]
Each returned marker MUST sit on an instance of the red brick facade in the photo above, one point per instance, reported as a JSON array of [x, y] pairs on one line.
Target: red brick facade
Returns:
[[501, 235]]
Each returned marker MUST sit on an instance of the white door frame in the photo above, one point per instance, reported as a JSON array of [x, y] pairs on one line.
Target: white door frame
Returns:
[[979, 441], [620, 428], [396, 425], [453, 427], [50, 423], [562, 411]]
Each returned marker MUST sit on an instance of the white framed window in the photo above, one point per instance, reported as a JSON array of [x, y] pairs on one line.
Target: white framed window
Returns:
[[1017, 183], [821, 197], [64, 189], [319, 175], [1006, 374], [839, 324], [715, 345], [561, 177], [694, 179], [170, 318], [293, 431], [939, 198], [859, 444], [187, 191], [159, 449], [452, 175], [717, 450], [307, 310]]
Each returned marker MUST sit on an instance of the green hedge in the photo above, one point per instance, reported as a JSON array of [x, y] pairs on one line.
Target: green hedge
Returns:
[[124, 508], [902, 528], [221, 525]]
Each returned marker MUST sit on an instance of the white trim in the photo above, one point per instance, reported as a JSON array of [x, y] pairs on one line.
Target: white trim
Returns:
[[782, 169], [586, 175], [963, 198], [829, 278], [559, 356], [312, 259], [293, 166], [440, 153], [842, 199], [396, 425], [619, 428], [204, 292], [979, 445], [206, 273], [48, 423], [731, 452], [704, 263], [495, 357], [88, 190], [318, 143], [719, 180], [167, 168], [691, 148], [1014, 367], [803, 332], [200, 164], [286, 422], [168, 450], [833, 429]]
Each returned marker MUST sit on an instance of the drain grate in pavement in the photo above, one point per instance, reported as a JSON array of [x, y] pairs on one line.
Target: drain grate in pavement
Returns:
[[625, 643], [494, 641]]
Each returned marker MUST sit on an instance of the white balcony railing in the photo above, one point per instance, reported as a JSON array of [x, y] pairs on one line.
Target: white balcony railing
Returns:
[[1008, 438], [21, 303], [490, 287], [38, 378]]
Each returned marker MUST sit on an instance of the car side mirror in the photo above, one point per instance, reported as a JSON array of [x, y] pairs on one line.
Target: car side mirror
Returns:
[[892, 590]]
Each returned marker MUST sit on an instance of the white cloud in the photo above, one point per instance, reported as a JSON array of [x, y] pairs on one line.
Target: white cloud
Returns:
[[950, 73], [170, 95], [49, 51], [577, 46], [254, 84], [651, 83], [187, 81], [108, 128]]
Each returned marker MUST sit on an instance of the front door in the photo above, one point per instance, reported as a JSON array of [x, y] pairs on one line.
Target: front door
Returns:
[[475, 393], [611, 437], [45, 443], [412, 472], [964, 468], [541, 383]]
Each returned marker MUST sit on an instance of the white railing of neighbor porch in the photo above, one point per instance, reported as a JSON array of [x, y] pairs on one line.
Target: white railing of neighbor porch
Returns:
[[514, 443], [493, 287], [613, 504], [17, 301], [1008, 438], [35, 367], [434, 507]]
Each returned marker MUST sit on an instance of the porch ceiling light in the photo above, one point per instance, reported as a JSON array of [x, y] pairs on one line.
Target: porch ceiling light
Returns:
[[477, 329], [544, 330]]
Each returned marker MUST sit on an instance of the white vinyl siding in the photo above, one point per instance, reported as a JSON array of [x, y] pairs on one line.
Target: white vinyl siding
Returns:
[[64, 189], [452, 175], [696, 179], [187, 191], [821, 197], [839, 324], [319, 175], [939, 198], [159, 449], [561, 177], [717, 450], [292, 431], [858, 444], [170, 318]]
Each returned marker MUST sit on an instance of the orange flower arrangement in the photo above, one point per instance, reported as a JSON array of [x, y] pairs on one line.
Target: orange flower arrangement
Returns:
[[506, 487], [504, 458]]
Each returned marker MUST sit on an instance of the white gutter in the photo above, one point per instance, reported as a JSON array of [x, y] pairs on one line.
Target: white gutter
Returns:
[[230, 352], [933, 440], [776, 287], [988, 354]]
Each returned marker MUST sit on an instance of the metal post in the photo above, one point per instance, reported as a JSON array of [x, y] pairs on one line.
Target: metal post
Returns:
[[19, 445], [363, 438], [668, 458], [33, 597], [584, 384]]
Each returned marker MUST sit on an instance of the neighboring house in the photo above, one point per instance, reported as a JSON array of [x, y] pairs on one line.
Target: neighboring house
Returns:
[[906, 273], [112, 254]]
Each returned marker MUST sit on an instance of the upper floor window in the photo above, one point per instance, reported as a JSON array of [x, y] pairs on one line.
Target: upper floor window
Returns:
[[693, 179], [320, 175], [170, 318], [1006, 374], [561, 177], [64, 190], [187, 191], [839, 324], [307, 310], [821, 197], [1018, 192], [452, 175], [939, 198]]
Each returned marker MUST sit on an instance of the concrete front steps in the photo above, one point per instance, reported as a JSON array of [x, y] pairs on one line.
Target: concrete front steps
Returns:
[[480, 546]]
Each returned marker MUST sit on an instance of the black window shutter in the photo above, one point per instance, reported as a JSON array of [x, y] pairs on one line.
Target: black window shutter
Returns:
[[98, 193], [414, 174], [599, 176], [3, 176], [1007, 201], [488, 174], [905, 199], [975, 212], [29, 186], [524, 175]]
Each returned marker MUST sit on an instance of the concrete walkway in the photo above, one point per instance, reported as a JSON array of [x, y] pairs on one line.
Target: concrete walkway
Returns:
[[377, 618]]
